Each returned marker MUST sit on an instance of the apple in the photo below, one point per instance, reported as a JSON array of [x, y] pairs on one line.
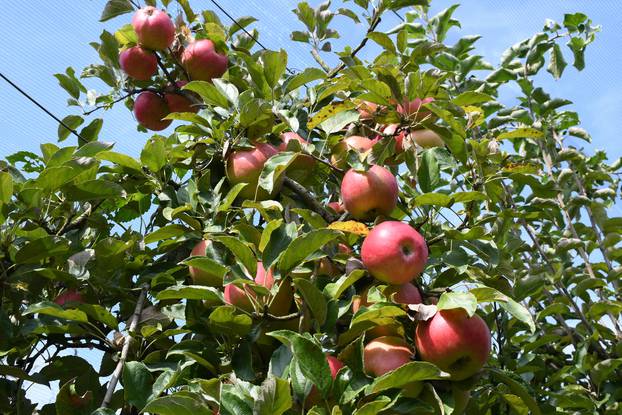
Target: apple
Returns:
[[154, 28], [337, 207], [404, 294], [334, 365], [394, 252], [412, 109], [178, 102], [366, 110], [385, 354], [427, 138], [202, 61], [238, 297], [301, 167], [198, 275], [453, 341], [150, 109], [69, 296], [138, 63], [354, 142], [369, 194], [245, 166], [326, 267], [344, 248]]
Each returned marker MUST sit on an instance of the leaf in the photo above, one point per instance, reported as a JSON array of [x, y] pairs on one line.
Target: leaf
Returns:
[[51, 309], [303, 78], [18, 373], [36, 250], [208, 92], [472, 98], [335, 289], [303, 246], [91, 131], [115, 8], [521, 133], [452, 300], [191, 292], [557, 63], [274, 397], [99, 313], [120, 159], [310, 358], [225, 320], [166, 232], [402, 376], [153, 155], [350, 226], [373, 407], [487, 294], [436, 199], [180, 403], [274, 168], [429, 172], [137, 383], [274, 65], [6, 187], [329, 111], [71, 121], [383, 40], [93, 190], [518, 390], [242, 252], [313, 298]]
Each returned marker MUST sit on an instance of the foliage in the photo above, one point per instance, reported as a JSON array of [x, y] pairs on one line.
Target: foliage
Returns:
[[517, 222]]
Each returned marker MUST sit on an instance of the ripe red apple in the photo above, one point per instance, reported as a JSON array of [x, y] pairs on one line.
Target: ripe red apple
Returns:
[[178, 102], [337, 207], [245, 166], [238, 297], [69, 296], [385, 354], [354, 142], [138, 63], [202, 61], [427, 138], [334, 365], [394, 252], [366, 110], [154, 28], [150, 109], [412, 109], [404, 294], [453, 341], [300, 169], [198, 275], [369, 194]]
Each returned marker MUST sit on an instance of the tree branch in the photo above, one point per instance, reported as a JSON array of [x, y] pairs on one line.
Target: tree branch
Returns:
[[309, 199], [126, 346]]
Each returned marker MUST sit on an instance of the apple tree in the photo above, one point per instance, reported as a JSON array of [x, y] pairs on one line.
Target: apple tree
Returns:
[[378, 236]]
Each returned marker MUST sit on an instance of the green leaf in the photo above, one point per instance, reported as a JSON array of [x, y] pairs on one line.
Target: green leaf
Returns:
[[310, 358], [305, 77], [99, 313], [137, 381], [436, 199], [383, 40], [335, 289], [557, 62], [6, 187], [120, 159], [191, 292], [91, 131], [306, 15], [451, 300], [338, 121], [36, 250], [71, 121], [242, 252], [274, 66], [18, 373], [115, 8], [231, 196], [429, 172], [488, 294], [180, 403], [313, 298], [373, 407], [224, 319], [153, 155], [402, 376], [211, 268], [93, 190], [51, 309], [274, 397], [525, 132], [304, 246], [208, 92], [274, 168], [518, 390], [166, 232], [472, 98]]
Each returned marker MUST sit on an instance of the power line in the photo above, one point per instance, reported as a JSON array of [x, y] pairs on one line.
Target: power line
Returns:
[[34, 101]]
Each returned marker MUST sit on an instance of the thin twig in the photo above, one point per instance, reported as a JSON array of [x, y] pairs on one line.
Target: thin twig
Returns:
[[126, 346], [309, 199]]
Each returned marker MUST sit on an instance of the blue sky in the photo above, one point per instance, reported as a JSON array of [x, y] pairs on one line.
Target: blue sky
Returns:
[[45, 37]]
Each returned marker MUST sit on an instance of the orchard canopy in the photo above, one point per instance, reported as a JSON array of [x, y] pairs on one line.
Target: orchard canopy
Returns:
[[380, 236]]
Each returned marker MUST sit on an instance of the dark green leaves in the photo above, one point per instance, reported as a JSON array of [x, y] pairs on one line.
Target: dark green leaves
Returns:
[[115, 8], [302, 247], [274, 66]]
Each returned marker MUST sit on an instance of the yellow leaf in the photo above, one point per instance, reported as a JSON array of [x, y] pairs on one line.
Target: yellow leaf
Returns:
[[521, 133], [327, 112], [350, 226], [475, 115]]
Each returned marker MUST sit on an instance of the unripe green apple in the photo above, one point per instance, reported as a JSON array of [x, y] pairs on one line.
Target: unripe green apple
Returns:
[[453, 341], [154, 28], [369, 194], [394, 252]]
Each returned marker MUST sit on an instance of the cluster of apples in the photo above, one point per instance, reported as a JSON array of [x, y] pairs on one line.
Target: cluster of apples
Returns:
[[200, 61]]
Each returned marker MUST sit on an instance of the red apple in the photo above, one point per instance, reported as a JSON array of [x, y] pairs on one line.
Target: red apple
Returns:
[[238, 297], [369, 194], [154, 28], [385, 354], [202, 61], [404, 294], [354, 142], [69, 296], [178, 102], [427, 138], [453, 341], [200, 276], [366, 110], [138, 63], [301, 167], [412, 109], [150, 109], [394, 252], [337, 207], [344, 249], [245, 166]]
